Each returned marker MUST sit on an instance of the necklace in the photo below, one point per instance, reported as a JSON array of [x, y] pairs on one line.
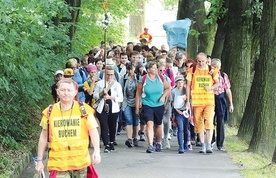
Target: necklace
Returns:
[[65, 122]]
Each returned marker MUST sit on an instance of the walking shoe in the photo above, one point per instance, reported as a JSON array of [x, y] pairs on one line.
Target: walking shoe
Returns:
[[115, 143], [209, 148], [150, 149], [128, 143], [135, 142], [222, 149], [107, 149], [174, 132], [111, 145], [142, 137], [190, 147], [158, 147], [203, 148], [167, 144]]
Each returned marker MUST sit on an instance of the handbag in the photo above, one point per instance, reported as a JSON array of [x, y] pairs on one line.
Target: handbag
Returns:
[[95, 105]]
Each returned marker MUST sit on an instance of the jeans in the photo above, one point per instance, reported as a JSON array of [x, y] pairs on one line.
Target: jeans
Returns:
[[183, 131], [130, 116]]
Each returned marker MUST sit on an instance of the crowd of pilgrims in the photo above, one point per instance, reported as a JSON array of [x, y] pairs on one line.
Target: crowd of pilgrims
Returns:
[[110, 87]]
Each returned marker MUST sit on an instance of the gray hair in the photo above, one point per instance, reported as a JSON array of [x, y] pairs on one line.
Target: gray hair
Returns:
[[149, 65], [215, 61]]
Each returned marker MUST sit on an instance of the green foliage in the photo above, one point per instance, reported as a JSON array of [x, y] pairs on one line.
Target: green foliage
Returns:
[[89, 33], [256, 8], [170, 4], [32, 48], [215, 12]]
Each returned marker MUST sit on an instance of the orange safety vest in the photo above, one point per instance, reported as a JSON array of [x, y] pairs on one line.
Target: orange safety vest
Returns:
[[201, 79], [68, 140]]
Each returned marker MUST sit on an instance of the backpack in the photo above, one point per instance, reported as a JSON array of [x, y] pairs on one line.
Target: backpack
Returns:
[[144, 77], [50, 108]]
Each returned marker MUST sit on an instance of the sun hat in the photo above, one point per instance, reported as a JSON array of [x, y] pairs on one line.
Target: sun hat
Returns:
[[179, 77], [68, 72], [59, 72]]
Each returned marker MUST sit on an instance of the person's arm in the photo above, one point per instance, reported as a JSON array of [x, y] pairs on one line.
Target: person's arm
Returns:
[[95, 139], [138, 98], [188, 94], [166, 92], [42, 145], [229, 97]]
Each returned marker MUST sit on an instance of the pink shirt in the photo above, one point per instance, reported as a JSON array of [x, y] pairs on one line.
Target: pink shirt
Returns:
[[224, 84]]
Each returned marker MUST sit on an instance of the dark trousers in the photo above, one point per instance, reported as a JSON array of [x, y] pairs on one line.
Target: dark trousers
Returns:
[[220, 131], [108, 126]]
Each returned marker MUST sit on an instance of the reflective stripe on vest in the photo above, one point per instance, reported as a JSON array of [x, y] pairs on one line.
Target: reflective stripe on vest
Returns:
[[200, 97]]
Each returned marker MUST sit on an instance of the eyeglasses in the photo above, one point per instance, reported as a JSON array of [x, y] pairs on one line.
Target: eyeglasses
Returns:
[[162, 70]]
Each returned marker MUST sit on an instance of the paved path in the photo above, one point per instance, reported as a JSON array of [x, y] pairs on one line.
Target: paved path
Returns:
[[134, 162]]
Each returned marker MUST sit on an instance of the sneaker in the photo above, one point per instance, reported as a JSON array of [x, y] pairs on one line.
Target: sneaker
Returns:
[[158, 147], [107, 149], [180, 150], [111, 147], [115, 143], [174, 132], [203, 148], [135, 142], [142, 137], [167, 144], [169, 137], [209, 148], [128, 143], [150, 149], [222, 149], [190, 147], [198, 143]]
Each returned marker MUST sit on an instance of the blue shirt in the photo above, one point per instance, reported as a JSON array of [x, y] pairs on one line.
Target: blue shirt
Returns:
[[152, 92]]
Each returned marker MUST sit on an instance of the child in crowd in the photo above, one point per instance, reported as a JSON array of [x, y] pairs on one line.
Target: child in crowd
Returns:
[[181, 113], [58, 77]]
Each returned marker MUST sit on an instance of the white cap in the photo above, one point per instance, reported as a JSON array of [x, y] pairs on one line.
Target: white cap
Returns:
[[59, 72]]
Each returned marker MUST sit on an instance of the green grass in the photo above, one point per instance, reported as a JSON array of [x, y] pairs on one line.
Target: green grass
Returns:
[[252, 165]]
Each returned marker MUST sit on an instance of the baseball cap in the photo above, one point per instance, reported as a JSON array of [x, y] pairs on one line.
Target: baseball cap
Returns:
[[68, 72], [59, 72], [179, 77]]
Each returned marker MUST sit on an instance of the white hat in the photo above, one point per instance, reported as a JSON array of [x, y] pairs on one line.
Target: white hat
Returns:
[[59, 72], [109, 62]]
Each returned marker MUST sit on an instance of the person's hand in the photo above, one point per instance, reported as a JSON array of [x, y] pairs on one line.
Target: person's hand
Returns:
[[39, 166], [96, 158], [188, 104], [162, 99], [94, 78], [208, 88], [231, 108], [137, 111]]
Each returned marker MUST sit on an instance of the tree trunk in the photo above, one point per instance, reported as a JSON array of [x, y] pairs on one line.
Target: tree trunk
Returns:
[[220, 34], [236, 55], [274, 156], [186, 10], [264, 128], [137, 22], [74, 5]]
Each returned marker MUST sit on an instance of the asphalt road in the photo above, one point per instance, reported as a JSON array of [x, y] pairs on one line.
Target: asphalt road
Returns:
[[134, 162]]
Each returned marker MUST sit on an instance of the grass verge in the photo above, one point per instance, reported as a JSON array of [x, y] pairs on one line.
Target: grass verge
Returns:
[[252, 165]]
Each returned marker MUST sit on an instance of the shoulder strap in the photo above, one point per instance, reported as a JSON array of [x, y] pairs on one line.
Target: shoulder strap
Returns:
[[50, 108], [144, 77], [161, 77]]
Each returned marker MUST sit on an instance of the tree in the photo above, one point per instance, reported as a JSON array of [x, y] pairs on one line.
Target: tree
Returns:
[[264, 128], [236, 55]]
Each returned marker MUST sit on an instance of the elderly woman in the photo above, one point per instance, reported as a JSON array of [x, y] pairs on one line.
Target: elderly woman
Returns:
[[151, 92], [110, 94]]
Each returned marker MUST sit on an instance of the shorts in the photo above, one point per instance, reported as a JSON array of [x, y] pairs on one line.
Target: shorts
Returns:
[[130, 116], [69, 174], [203, 118], [154, 114]]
